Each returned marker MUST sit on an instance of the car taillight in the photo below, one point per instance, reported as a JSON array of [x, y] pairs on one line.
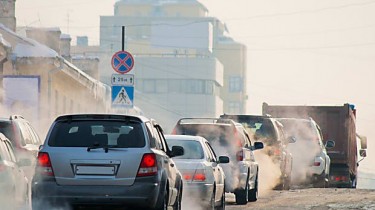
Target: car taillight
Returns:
[[316, 163], [148, 166], [187, 176], [2, 167], [174, 131], [239, 155], [199, 175], [277, 152], [44, 164], [237, 138], [340, 178]]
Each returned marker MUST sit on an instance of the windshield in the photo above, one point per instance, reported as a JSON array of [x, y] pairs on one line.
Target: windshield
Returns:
[[97, 133], [192, 149]]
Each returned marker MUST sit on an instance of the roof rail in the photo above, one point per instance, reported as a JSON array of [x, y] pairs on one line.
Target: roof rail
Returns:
[[13, 117]]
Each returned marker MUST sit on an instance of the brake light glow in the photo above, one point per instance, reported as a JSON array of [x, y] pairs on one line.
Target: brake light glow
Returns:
[[174, 131], [2, 167], [198, 175], [148, 166], [316, 163], [239, 155], [277, 152], [340, 178], [237, 138], [44, 164], [187, 176]]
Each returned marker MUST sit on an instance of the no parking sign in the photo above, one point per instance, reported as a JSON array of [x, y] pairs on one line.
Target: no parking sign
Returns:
[[122, 62]]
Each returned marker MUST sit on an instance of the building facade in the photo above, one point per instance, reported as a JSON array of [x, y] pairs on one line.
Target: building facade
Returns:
[[182, 65]]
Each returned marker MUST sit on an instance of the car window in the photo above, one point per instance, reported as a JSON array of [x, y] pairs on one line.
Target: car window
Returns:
[[25, 132], [34, 135], [10, 150], [247, 139], [192, 149], [7, 128], [155, 141], [122, 134], [4, 152], [212, 152], [161, 140]]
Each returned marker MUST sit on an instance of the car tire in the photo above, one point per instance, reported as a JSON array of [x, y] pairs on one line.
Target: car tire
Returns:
[[286, 183], [211, 204], [162, 203], [177, 204], [242, 195], [253, 193], [222, 202]]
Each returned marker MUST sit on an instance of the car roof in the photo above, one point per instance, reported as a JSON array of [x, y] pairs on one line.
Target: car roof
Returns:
[[205, 121], [101, 116], [185, 137], [295, 119]]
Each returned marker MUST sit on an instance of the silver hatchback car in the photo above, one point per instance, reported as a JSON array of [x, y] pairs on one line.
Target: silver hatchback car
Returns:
[[106, 159]]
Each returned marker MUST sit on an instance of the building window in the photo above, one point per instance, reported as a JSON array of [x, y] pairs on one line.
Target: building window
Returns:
[[195, 86], [234, 107], [235, 84]]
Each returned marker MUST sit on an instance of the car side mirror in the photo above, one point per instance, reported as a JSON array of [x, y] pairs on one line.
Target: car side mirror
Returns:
[[292, 139], [362, 153], [257, 145], [330, 144], [177, 151], [223, 159], [24, 162]]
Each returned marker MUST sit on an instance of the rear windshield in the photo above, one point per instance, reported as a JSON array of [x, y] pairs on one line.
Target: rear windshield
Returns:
[[6, 129], [192, 149], [224, 134], [301, 130], [88, 133]]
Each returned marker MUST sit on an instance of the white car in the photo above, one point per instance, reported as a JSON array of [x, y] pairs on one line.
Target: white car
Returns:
[[311, 163], [201, 171]]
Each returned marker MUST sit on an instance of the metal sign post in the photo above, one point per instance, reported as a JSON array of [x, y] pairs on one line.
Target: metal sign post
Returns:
[[122, 83]]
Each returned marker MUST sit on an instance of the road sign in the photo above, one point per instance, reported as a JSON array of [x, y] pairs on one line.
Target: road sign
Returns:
[[122, 79], [122, 62], [122, 96]]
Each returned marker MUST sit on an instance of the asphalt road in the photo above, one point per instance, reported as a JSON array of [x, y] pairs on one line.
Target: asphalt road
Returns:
[[314, 199]]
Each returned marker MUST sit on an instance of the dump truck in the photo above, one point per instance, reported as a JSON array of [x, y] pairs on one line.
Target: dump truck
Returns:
[[338, 124]]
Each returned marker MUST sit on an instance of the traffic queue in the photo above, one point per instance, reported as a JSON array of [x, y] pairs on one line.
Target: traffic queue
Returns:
[[129, 160]]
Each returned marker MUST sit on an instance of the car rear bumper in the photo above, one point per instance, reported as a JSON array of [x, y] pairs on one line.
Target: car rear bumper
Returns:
[[201, 191], [143, 193]]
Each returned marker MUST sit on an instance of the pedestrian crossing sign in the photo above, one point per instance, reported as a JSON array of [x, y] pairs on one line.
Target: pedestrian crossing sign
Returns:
[[122, 96]]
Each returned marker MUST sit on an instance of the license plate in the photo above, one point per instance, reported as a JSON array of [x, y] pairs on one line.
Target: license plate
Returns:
[[95, 170]]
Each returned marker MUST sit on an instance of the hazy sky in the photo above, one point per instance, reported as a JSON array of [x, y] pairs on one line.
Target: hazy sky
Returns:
[[299, 51]]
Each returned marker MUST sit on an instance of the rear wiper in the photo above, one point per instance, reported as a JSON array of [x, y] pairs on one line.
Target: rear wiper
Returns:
[[105, 147]]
